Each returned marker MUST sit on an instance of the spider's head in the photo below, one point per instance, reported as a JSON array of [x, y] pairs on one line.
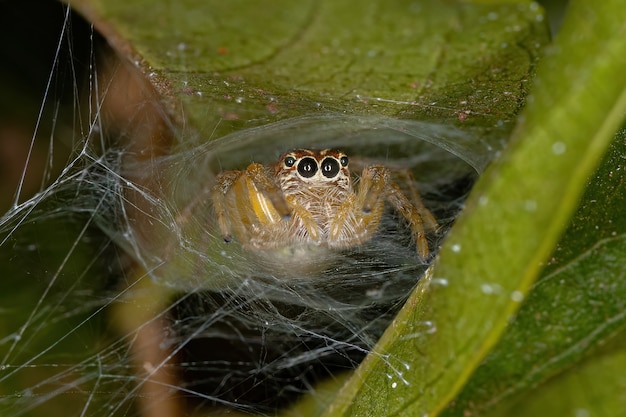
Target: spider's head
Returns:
[[312, 168]]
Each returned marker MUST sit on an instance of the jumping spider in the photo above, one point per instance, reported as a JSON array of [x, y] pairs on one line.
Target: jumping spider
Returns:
[[306, 198]]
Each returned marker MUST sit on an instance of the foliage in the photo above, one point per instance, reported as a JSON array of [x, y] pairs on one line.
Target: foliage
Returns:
[[524, 304]]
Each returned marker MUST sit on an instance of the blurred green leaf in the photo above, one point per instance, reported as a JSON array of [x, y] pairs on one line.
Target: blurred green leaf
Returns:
[[595, 388]]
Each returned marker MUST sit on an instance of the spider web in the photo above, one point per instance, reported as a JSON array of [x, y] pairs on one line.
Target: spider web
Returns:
[[118, 295]]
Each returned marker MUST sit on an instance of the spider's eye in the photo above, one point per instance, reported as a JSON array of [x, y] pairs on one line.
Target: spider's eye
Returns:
[[330, 167], [344, 161], [289, 161], [307, 167]]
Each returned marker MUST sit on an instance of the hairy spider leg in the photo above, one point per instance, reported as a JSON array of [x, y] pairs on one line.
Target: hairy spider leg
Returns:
[[352, 225], [398, 200], [430, 223], [308, 221], [375, 187], [359, 214], [248, 203], [391, 191]]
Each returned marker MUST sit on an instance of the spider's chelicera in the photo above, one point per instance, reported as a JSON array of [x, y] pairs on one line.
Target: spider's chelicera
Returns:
[[307, 198]]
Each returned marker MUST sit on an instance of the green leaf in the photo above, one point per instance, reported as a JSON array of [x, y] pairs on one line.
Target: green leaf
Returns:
[[509, 228], [466, 65], [594, 388], [227, 65], [468, 57], [576, 306]]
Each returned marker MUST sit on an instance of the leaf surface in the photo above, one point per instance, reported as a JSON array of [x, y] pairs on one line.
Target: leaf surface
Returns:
[[223, 66], [510, 226]]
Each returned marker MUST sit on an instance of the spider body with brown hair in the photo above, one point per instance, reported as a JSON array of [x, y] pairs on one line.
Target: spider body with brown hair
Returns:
[[307, 199]]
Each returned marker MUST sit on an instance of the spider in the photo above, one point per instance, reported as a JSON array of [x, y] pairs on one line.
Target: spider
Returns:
[[306, 198]]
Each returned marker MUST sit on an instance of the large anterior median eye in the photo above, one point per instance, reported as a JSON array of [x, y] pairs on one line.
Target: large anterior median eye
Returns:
[[307, 167], [330, 167]]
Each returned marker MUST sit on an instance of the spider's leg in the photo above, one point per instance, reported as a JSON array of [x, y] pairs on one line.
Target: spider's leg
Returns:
[[223, 183], [372, 185], [376, 183], [258, 174], [300, 212], [350, 225], [430, 223], [402, 204], [358, 216]]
